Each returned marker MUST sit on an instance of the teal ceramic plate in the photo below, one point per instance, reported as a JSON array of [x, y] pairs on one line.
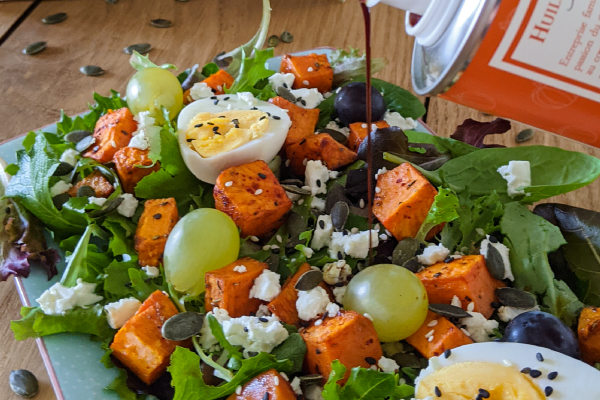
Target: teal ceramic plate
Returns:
[[73, 361]]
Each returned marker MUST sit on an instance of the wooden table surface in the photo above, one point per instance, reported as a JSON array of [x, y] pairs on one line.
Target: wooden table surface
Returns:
[[33, 89]]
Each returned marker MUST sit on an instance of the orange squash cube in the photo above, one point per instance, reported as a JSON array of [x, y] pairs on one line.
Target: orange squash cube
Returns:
[[254, 199], [270, 382], [318, 147], [229, 289], [303, 120], [588, 331], [348, 337], [126, 162], [358, 133], [219, 81], [139, 344], [311, 71], [153, 229], [102, 187], [446, 336], [467, 278], [112, 132]]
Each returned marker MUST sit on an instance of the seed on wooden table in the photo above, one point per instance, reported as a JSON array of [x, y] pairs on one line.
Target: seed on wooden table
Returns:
[[55, 18], [524, 135], [23, 383], [287, 37], [273, 41], [141, 48], [35, 48], [182, 1], [112, 1], [161, 23], [91, 70]]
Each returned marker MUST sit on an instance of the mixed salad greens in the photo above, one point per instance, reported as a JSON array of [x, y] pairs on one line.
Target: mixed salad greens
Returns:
[[552, 252]]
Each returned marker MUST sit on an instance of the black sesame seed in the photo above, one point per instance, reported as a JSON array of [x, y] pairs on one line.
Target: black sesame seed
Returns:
[[447, 353], [198, 126], [157, 216], [263, 319], [124, 132], [252, 314], [254, 108], [216, 102], [303, 102], [325, 315], [285, 85], [190, 140], [437, 274], [237, 126], [539, 357], [213, 98], [268, 113], [534, 373], [226, 98], [221, 116], [552, 375], [298, 99], [245, 329], [448, 260], [548, 391], [216, 128], [339, 284], [322, 224], [370, 360], [496, 305], [261, 118], [276, 204], [318, 351], [438, 392], [266, 396], [302, 142], [526, 370], [339, 255], [319, 183], [484, 393], [276, 117], [479, 397], [263, 176], [493, 239], [345, 232], [209, 123], [213, 90]]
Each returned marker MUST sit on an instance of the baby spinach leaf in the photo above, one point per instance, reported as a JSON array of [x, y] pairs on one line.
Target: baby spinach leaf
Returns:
[[446, 145], [293, 349], [443, 209]]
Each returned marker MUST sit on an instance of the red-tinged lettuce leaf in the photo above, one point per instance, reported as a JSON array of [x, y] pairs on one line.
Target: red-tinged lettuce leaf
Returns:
[[15, 263], [474, 132]]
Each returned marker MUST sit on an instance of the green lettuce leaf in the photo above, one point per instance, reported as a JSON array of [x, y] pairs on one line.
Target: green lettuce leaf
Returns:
[[349, 64], [77, 264], [119, 386], [443, 209], [217, 331], [293, 349], [252, 72]]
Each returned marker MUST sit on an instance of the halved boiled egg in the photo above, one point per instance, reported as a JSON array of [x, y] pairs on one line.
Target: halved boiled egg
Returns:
[[506, 371], [224, 131]]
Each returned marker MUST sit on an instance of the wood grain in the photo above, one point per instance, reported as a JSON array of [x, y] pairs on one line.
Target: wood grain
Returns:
[[10, 13]]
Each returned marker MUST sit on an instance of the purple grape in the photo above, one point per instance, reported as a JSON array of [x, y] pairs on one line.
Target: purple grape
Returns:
[[350, 104]]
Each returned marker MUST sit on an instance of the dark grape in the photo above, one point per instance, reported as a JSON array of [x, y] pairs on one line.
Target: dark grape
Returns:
[[350, 104]]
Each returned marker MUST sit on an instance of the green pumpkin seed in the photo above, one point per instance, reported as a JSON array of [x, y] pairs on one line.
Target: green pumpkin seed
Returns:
[[35, 48], [182, 326], [85, 143], [407, 360], [412, 265], [310, 379], [273, 41], [112, 1], [335, 194], [525, 135], [141, 48], [77, 136], [515, 298], [182, 1], [55, 18], [91, 70], [161, 23], [339, 215], [108, 207], [222, 62], [273, 262], [405, 250], [86, 191], [295, 189], [287, 37], [295, 182], [448, 311], [60, 199], [336, 135], [286, 94], [295, 224], [494, 262], [23, 383], [309, 280], [63, 169]]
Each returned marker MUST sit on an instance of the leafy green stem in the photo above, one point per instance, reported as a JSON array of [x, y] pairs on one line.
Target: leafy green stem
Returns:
[[225, 373]]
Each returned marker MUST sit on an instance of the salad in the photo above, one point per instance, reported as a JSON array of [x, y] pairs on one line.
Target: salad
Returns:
[[220, 243]]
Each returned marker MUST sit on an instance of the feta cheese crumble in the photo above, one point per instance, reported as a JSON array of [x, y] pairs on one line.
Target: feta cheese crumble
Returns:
[[120, 311], [433, 254], [296, 386], [145, 122], [517, 175], [311, 98], [316, 176], [336, 272], [128, 205], [59, 299], [322, 234], [263, 311], [68, 156], [355, 244], [395, 119], [151, 272], [507, 314], [60, 187], [479, 328], [99, 201], [338, 293], [266, 286], [200, 90], [317, 204], [388, 365], [312, 303], [282, 80], [332, 309], [456, 302], [503, 250], [248, 98]]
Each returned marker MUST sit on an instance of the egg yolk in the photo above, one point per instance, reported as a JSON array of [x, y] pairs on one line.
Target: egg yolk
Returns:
[[464, 380], [212, 134]]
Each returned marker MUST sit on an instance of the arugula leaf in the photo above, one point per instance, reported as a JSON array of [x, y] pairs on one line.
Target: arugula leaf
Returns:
[[36, 324], [252, 71], [217, 331], [443, 209], [530, 238], [348, 64], [293, 349], [188, 382]]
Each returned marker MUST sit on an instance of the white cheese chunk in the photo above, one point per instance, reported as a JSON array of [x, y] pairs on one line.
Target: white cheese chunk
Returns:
[[311, 98], [99, 201], [517, 175], [139, 141], [317, 204], [316, 177], [478, 327], [332, 309], [120, 311], [433, 254], [59, 299], [312, 303], [69, 156], [395, 119], [128, 205], [339, 292], [322, 234], [355, 244], [60, 187], [296, 386], [200, 90], [503, 250], [507, 314], [336, 272], [282, 80], [266, 286], [151, 272], [388, 365], [248, 98]]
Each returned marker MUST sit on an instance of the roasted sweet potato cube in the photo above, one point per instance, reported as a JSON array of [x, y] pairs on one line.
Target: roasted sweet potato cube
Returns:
[[446, 336], [311, 71], [588, 331], [153, 229], [252, 196], [303, 120], [96, 181], [219, 81], [127, 161], [403, 201], [358, 133], [270, 382], [229, 288], [319, 147], [139, 344], [348, 337], [467, 278], [112, 132], [284, 305]]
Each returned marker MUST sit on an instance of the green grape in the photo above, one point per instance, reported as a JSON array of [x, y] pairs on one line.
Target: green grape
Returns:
[[393, 296], [153, 88], [203, 240]]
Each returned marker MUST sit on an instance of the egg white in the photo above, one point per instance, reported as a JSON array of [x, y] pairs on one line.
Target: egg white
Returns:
[[263, 148], [576, 379]]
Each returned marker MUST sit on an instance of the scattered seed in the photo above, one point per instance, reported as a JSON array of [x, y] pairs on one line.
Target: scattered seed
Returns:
[[286, 94], [370, 360], [404, 251], [55, 18], [495, 263], [108, 207], [287, 37], [484, 393], [493, 239], [141, 48], [273, 41], [295, 189], [309, 379], [539, 357], [84, 143], [182, 326], [515, 298], [552, 375], [524, 135], [86, 191], [447, 353], [263, 319], [526, 370], [63, 169], [262, 176], [534, 373], [35, 48], [23, 383], [309, 280], [336, 135], [77, 136], [449, 311], [91, 70], [157, 216], [548, 391], [339, 215], [161, 23], [438, 392]]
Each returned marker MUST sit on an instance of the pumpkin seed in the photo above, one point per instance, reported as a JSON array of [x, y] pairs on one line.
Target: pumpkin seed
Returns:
[[108, 207], [310, 379], [286, 94], [23, 383], [77, 136], [336, 135], [309, 280], [35, 48], [55, 18], [412, 265], [287, 37], [60, 199], [525, 135], [161, 23], [182, 1], [273, 262], [295, 189], [494, 262], [91, 70], [295, 224], [405, 250], [295, 182], [86, 191], [273, 41], [222, 62], [85, 143], [407, 360], [339, 215], [141, 48], [112, 1], [182, 326], [448, 311], [516, 298], [63, 169], [335, 194]]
